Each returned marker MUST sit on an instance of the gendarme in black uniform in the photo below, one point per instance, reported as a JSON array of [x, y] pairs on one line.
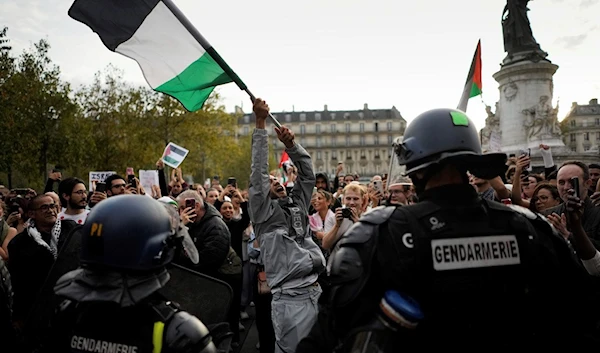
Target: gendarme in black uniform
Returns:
[[111, 303], [487, 277]]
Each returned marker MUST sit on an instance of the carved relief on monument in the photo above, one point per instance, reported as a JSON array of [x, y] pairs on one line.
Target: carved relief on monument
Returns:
[[510, 91], [492, 126], [541, 120]]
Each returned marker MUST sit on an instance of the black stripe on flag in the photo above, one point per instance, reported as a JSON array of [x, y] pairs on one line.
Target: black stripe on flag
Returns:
[[115, 21], [177, 151]]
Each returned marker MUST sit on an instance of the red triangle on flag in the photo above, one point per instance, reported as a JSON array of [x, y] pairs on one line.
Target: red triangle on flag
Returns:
[[284, 158]]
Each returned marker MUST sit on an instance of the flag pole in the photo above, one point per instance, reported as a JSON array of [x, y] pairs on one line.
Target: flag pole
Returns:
[[213, 53]]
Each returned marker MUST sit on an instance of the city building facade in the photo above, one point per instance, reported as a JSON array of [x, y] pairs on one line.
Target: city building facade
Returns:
[[581, 127], [361, 139]]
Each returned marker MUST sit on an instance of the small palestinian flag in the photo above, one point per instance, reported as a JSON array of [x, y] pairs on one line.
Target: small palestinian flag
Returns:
[[175, 59], [473, 85], [174, 155]]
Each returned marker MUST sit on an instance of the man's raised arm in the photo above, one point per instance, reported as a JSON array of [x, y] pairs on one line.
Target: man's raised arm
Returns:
[[260, 181]]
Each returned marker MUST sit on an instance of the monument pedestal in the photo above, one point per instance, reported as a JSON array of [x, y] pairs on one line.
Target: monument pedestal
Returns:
[[527, 118]]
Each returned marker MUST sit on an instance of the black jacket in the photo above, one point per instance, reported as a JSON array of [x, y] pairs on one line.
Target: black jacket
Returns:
[[212, 238], [29, 265]]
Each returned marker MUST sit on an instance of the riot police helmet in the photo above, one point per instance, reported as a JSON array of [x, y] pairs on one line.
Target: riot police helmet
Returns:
[[445, 135], [127, 233]]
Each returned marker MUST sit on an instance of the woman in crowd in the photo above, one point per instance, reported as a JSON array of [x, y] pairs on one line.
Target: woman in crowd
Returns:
[[323, 220], [544, 196]]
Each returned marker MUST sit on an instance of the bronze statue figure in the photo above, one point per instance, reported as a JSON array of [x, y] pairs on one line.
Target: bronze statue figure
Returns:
[[517, 29]]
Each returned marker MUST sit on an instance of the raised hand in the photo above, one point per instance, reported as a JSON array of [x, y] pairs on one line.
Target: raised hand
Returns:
[[286, 136]]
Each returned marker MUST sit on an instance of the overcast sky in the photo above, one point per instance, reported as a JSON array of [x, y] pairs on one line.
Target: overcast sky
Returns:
[[414, 55]]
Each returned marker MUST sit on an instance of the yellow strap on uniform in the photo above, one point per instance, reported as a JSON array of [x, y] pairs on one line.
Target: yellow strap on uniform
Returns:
[[157, 336]]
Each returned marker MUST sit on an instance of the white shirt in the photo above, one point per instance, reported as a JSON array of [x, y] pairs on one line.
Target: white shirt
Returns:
[[78, 218]]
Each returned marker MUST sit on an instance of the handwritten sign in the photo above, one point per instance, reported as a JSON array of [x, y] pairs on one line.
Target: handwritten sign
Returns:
[[148, 178], [98, 177], [495, 142]]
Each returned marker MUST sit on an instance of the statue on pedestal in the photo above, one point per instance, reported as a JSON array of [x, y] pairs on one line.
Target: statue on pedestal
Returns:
[[541, 120], [492, 126], [518, 37]]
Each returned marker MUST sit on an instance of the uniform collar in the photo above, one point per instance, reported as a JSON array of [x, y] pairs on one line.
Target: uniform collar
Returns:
[[455, 193]]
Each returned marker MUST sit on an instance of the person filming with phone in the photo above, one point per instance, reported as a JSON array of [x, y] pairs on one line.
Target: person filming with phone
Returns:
[[354, 200], [577, 220]]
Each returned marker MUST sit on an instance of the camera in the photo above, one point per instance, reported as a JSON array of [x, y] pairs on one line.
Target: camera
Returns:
[[347, 213]]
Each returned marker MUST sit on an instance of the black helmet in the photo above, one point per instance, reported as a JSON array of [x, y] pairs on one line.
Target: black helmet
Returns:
[[439, 134], [129, 232]]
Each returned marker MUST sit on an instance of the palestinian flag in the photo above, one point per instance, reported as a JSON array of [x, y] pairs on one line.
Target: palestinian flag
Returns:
[[284, 163], [175, 59], [174, 155], [473, 84], [284, 158]]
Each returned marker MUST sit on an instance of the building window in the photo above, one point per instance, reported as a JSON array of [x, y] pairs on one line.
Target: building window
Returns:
[[302, 117], [573, 123], [318, 128], [376, 140], [318, 141], [598, 136], [246, 119], [349, 156], [390, 139], [389, 126], [288, 118], [303, 142], [362, 127], [574, 149], [362, 140], [361, 115], [318, 155], [302, 129], [347, 140], [333, 128], [332, 115], [586, 136], [376, 127], [597, 121], [376, 153], [333, 154], [334, 141], [586, 148], [346, 116], [246, 130], [317, 116], [347, 127], [572, 137], [362, 154]]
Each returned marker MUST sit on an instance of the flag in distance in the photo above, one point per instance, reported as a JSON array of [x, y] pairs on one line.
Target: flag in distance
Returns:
[[473, 84], [174, 155], [172, 59]]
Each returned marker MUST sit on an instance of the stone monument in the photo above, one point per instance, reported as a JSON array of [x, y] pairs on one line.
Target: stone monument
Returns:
[[524, 116]]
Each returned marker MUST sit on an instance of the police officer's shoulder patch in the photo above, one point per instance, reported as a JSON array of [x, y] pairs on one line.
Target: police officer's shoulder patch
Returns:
[[524, 211]]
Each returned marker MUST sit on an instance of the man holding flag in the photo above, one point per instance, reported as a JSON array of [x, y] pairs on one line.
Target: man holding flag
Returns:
[[292, 259]]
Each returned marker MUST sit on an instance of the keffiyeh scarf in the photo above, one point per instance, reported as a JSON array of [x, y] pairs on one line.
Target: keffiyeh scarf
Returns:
[[54, 234]]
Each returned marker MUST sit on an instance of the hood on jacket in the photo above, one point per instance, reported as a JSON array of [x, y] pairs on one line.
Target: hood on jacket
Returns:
[[324, 176], [211, 212]]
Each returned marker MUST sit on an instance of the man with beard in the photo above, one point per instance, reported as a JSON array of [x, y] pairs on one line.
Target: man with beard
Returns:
[[73, 196]]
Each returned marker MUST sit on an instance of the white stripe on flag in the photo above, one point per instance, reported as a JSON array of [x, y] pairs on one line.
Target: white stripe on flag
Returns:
[[162, 46]]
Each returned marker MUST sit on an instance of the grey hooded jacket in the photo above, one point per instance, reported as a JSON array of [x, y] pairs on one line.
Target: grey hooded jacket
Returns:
[[291, 262]]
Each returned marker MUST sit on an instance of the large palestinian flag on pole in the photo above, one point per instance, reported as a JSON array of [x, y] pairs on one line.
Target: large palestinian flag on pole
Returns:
[[175, 59], [473, 85]]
